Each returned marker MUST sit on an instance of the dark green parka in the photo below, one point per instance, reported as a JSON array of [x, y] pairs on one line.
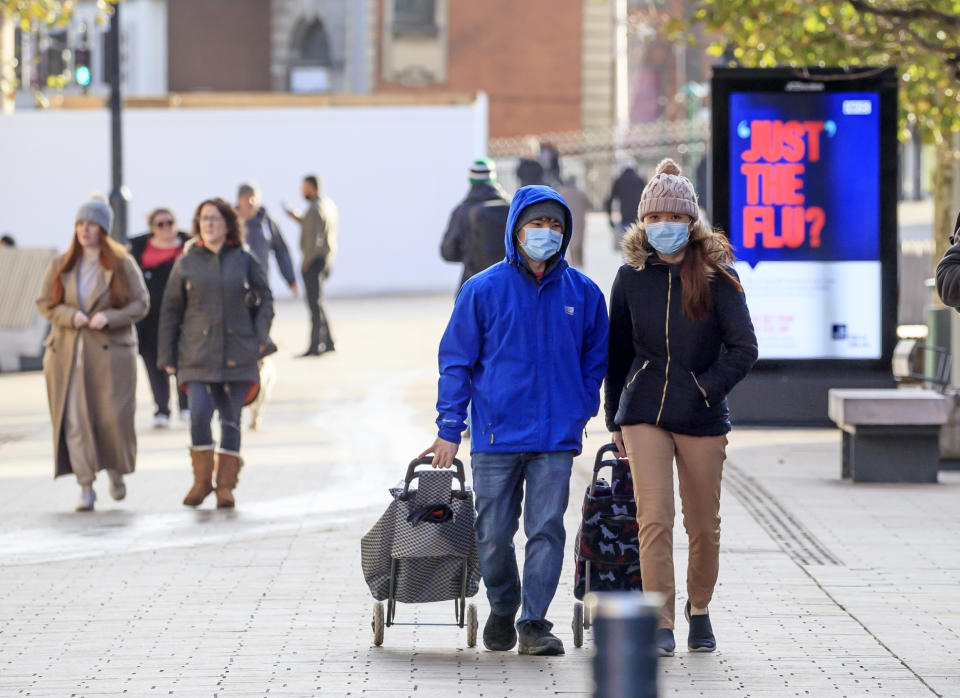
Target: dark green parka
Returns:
[[206, 329]]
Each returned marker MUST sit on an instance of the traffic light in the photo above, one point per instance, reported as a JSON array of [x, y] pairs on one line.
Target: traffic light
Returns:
[[81, 67]]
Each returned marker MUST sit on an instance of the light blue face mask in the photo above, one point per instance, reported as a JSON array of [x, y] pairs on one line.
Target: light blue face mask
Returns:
[[667, 237], [541, 243]]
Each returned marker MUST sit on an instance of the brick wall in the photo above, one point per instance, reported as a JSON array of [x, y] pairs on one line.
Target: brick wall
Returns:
[[218, 45], [525, 55]]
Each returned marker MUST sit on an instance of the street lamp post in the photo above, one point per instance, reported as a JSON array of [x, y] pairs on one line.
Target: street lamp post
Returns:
[[119, 194]]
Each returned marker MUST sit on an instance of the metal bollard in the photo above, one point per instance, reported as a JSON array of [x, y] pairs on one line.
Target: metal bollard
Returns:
[[624, 633]]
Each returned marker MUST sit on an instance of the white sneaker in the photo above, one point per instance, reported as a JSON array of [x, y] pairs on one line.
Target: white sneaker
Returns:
[[185, 416], [161, 421], [87, 498]]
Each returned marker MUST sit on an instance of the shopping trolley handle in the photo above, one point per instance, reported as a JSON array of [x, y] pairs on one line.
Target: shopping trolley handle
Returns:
[[412, 474], [599, 464]]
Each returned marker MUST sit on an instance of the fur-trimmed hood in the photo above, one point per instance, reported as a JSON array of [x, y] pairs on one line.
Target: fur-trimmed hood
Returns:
[[637, 249]]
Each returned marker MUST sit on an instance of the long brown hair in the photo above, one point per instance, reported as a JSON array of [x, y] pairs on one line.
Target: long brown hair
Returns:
[[111, 258], [234, 234], [708, 254]]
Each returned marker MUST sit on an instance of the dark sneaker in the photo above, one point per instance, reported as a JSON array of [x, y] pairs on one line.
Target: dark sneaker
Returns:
[[700, 638], [536, 638], [499, 634], [665, 642]]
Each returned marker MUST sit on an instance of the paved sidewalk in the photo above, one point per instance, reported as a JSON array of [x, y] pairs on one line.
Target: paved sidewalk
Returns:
[[826, 588]]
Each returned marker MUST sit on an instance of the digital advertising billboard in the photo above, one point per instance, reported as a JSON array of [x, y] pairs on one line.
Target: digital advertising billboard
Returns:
[[804, 183]]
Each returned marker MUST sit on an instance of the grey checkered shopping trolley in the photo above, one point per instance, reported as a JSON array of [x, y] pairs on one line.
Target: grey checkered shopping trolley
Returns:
[[424, 549]]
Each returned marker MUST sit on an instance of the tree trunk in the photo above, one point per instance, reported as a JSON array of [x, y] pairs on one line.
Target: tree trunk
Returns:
[[946, 193], [8, 87]]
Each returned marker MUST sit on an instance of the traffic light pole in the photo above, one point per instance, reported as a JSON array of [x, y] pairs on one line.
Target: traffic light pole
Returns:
[[119, 194]]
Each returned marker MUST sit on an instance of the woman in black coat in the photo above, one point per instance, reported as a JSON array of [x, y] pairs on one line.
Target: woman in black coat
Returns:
[[155, 253], [214, 328], [680, 339]]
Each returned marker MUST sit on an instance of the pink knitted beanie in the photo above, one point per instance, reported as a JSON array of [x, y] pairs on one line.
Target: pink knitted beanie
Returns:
[[668, 192]]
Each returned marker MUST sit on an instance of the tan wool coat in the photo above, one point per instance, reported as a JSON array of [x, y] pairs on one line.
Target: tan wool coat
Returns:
[[110, 355]]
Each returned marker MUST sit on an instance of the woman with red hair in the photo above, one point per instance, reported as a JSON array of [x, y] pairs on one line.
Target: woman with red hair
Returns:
[[92, 295]]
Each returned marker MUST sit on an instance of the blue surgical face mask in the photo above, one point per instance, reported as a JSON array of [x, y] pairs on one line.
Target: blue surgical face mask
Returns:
[[667, 237], [541, 243]]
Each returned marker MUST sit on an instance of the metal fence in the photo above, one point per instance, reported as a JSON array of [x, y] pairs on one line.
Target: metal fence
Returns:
[[596, 156]]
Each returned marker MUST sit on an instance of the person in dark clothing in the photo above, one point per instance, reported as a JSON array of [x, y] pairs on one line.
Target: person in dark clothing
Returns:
[[263, 236], [318, 246], [529, 169], [467, 236], [155, 253], [625, 190], [7, 241], [948, 271], [680, 339], [212, 338]]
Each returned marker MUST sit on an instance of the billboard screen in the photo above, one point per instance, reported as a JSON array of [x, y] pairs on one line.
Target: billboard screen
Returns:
[[804, 174]]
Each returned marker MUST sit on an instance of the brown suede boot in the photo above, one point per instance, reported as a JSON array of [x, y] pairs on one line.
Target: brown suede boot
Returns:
[[202, 476], [228, 470]]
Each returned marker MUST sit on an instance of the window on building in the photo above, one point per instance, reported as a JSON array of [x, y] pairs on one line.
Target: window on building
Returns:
[[415, 18], [314, 45]]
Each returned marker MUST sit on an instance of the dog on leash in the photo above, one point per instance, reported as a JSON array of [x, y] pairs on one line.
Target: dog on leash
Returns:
[[268, 378]]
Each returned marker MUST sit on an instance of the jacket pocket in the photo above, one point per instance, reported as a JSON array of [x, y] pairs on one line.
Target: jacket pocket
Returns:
[[700, 389]]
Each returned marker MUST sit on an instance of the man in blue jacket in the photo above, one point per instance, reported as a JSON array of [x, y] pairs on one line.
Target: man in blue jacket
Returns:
[[526, 348]]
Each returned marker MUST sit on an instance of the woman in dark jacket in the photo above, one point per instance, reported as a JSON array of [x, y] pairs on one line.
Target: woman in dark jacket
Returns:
[[214, 327], [680, 339], [155, 252]]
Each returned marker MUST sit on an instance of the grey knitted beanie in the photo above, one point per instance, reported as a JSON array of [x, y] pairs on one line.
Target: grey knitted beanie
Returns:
[[97, 211], [668, 192], [548, 208]]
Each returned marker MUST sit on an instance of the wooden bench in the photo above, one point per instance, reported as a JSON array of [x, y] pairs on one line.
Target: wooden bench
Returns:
[[889, 435]]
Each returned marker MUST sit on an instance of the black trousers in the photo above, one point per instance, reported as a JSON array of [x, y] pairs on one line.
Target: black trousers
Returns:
[[160, 381], [313, 278]]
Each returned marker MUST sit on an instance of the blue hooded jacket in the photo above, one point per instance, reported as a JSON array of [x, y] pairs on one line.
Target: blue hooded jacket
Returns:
[[530, 356]]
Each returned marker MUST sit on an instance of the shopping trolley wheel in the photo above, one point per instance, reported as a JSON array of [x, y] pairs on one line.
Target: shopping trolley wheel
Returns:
[[472, 625], [377, 624], [577, 624]]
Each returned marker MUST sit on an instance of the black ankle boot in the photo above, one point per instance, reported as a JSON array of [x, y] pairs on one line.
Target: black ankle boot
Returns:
[[536, 638], [499, 634]]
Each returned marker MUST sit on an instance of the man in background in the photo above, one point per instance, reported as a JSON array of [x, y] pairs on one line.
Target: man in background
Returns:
[[318, 245], [475, 238], [263, 235]]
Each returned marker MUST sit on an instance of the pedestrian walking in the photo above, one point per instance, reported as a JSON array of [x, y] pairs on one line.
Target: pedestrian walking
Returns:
[[214, 327], [680, 339], [155, 253], [476, 242], [318, 245], [625, 190], [579, 203], [262, 235], [92, 295], [530, 170], [526, 347], [948, 271]]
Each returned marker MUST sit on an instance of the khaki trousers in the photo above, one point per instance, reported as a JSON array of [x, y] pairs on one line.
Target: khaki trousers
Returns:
[[651, 451]]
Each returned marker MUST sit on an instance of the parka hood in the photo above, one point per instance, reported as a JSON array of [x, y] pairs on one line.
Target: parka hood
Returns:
[[637, 249], [524, 197]]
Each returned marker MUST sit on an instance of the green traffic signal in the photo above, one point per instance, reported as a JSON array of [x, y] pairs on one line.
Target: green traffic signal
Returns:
[[82, 76]]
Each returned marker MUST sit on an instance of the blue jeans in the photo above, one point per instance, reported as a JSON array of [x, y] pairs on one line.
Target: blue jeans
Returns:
[[225, 398], [498, 483]]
